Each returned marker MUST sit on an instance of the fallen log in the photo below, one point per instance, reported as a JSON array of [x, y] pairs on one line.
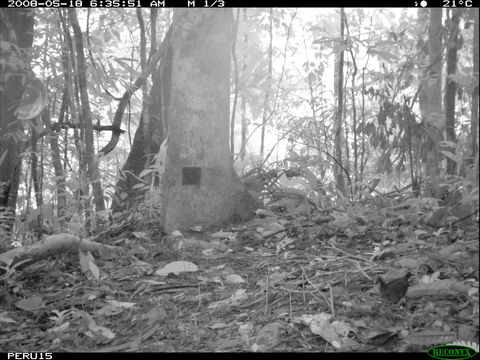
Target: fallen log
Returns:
[[54, 245]]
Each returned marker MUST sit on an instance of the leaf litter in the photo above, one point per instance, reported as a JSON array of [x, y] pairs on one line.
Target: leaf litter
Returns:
[[293, 279]]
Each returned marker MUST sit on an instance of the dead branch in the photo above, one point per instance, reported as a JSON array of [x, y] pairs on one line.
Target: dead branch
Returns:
[[53, 245]]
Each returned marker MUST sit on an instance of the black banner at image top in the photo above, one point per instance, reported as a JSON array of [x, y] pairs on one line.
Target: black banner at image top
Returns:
[[105, 4]]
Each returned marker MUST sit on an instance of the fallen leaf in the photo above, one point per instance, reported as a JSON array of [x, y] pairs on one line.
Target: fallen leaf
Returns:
[[234, 279], [177, 267], [30, 304]]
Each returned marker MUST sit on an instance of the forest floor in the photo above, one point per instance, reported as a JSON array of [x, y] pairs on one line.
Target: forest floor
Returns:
[[267, 285]]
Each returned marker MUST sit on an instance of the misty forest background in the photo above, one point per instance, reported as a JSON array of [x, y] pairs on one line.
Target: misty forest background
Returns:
[[343, 100]]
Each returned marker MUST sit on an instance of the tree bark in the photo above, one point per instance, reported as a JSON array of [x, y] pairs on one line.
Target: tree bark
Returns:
[[16, 34], [474, 114], [432, 91], [339, 177], [57, 167], [451, 89], [199, 184], [266, 104]]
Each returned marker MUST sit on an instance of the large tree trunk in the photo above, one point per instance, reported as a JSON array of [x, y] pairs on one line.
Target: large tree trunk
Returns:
[[200, 185], [16, 33]]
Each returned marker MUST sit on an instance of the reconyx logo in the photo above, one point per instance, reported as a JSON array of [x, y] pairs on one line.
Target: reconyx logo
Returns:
[[457, 352]]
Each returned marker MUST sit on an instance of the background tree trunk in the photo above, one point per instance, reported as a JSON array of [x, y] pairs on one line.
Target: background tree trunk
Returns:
[[156, 126], [339, 176], [451, 88], [266, 104], [474, 116], [432, 92], [16, 33], [90, 156], [61, 187]]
